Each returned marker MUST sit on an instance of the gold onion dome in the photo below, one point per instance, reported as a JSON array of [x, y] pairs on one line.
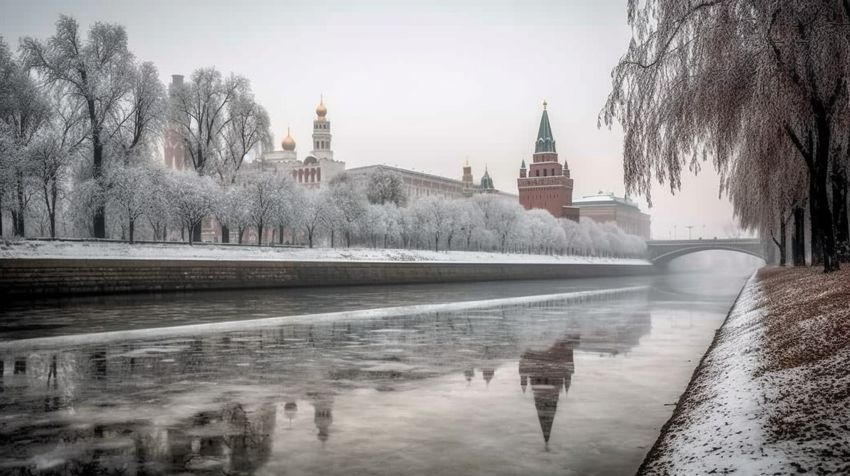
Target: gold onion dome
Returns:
[[321, 110], [288, 142]]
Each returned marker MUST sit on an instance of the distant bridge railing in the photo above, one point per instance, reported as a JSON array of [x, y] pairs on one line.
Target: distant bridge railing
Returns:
[[663, 251]]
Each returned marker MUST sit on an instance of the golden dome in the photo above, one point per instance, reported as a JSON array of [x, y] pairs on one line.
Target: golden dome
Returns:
[[321, 110], [288, 142]]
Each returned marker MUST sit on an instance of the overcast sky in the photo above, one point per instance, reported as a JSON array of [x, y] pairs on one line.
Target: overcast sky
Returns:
[[417, 84]]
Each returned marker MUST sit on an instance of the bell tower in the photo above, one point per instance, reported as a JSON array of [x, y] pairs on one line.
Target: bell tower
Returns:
[[322, 133]]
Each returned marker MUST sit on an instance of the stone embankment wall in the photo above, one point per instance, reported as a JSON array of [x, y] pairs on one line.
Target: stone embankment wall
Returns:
[[61, 277]]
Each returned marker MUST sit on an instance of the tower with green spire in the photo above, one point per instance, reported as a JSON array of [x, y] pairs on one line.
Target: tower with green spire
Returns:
[[546, 183], [545, 142]]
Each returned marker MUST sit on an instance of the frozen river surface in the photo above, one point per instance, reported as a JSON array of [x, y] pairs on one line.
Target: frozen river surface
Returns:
[[549, 377]]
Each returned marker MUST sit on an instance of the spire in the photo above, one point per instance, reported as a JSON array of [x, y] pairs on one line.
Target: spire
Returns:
[[523, 164], [545, 141]]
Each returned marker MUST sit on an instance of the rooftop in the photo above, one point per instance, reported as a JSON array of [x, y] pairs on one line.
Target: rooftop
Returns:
[[602, 198]]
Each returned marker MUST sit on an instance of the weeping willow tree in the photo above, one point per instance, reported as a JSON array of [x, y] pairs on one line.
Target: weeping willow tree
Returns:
[[745, 85]]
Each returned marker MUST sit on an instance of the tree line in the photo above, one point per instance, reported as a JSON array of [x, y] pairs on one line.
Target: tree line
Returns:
[[83, 123], [756, 88]]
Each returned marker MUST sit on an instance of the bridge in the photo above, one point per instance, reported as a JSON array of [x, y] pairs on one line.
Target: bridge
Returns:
[[663, 251]]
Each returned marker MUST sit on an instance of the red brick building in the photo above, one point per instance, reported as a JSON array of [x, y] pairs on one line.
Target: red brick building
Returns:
[[546, 183]]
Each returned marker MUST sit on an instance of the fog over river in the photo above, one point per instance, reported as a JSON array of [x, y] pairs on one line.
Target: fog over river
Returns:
[[544, 377]]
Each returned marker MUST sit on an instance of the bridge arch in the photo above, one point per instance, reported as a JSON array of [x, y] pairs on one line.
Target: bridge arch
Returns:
[[662, 252]]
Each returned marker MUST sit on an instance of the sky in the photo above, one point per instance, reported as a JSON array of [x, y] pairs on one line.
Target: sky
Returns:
[[423, 85]]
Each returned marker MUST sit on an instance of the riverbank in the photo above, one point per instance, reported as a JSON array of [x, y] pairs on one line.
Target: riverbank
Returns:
[[771, 394], [205, 251]]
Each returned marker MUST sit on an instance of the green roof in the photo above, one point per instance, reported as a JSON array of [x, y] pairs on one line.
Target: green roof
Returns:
[[486, 181], [545, 141]]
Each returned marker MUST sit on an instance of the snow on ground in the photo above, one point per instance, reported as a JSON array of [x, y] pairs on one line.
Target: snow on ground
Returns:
[[95, 250], [766, 399]]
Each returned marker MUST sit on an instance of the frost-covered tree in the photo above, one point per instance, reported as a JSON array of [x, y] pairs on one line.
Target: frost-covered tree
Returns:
[[434, 219], [53, 152], [24, 112], [263, 196], [192, 197], [219, 123], [98, 72], [502, 217], [723, 79], [386, 186], [350, 204], [159, 211], [315, 206], [231, 210], [290, 205], [143, 115], [128, 190]]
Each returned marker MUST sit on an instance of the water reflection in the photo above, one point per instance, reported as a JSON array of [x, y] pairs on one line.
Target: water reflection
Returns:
[[210, 404], [548, 371]]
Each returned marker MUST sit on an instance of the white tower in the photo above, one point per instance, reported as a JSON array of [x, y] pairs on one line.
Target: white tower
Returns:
[[322, 133]]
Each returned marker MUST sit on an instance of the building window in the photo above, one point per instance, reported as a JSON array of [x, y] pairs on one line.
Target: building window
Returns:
[[545, 171]]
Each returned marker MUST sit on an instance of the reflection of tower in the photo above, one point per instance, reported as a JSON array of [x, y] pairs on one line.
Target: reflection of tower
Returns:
[[290, 409], [487, 373], [469, 374], [547, 372], [323, 415]]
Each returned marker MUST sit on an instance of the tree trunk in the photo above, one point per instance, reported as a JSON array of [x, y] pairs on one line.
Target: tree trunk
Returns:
[[225, 234], [1, 213], [241, 231], [131, 226], [18, 215], [196, 231], [819, 199], [259, 234], [99, 219], [310, 237], [839, 210], [332, 238], [781, 243], [280, 234], [51, 208], [799, 242]]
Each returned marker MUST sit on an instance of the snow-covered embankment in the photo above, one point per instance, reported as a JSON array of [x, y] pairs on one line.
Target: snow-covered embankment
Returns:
[[770, 396]]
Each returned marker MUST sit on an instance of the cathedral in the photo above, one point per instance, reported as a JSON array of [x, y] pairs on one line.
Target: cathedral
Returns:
[[546, 183], [319, 167]]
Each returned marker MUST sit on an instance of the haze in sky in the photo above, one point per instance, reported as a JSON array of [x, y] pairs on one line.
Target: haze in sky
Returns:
[[417, 84]]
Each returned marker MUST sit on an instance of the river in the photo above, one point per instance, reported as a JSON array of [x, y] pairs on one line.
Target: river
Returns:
[[537, 377]]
